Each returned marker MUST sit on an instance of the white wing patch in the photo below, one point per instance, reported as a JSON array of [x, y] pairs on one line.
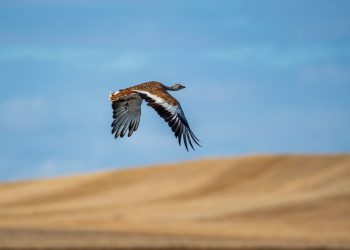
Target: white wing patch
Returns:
[[173, 115], [157, 99]]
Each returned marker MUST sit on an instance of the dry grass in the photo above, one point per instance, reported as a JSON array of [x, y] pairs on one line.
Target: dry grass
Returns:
[[258, 202]]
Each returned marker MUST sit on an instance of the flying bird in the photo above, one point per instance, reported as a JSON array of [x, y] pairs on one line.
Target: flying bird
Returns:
[[126, 104]]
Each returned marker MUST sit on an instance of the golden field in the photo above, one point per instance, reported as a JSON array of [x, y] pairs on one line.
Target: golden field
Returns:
[[253, 202]]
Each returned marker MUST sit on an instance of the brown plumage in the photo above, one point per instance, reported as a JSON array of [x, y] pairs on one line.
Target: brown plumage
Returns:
[[126, 104]]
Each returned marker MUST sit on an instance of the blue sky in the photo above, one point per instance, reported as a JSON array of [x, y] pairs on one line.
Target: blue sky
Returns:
[[261, 76]]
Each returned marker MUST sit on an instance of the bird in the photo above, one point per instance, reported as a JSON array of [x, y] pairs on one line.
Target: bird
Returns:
[[126, 105]]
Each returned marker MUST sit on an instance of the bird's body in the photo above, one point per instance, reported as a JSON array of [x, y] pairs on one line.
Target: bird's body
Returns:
[[126, 104]]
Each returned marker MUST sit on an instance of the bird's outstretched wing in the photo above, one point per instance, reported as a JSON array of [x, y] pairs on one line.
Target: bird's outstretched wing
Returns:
[[126, 115], [170, 110]]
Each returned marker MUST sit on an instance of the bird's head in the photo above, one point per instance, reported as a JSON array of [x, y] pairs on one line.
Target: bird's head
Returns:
[[177, 86]]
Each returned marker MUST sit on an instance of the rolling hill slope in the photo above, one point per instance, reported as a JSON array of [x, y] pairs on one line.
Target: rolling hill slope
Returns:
[[300, 201]]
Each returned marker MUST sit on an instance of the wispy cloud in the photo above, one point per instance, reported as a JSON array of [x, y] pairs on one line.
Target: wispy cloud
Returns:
[[275, 56], [329, 74], [78, 57], [52, 167]]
